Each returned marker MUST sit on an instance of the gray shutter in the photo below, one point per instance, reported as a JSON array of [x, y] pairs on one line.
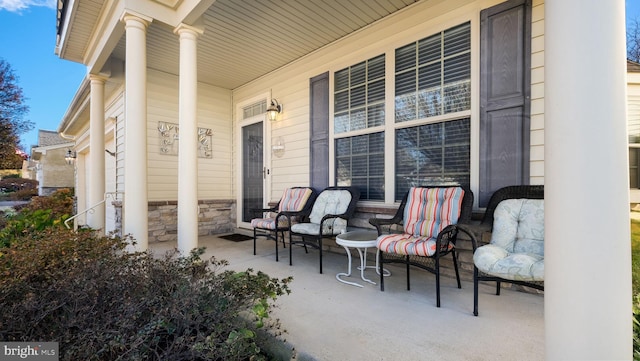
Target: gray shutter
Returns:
[[319, 129], [505, 87]]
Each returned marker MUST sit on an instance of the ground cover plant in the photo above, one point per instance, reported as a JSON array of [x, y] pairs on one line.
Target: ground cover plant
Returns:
[[635, 277], [635, 255], [100, 302]]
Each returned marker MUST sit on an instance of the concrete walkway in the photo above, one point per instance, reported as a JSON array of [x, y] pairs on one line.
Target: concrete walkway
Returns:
[[329, 320]]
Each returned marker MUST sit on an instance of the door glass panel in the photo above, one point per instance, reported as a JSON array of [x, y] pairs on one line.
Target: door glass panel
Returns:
[[252, 170]]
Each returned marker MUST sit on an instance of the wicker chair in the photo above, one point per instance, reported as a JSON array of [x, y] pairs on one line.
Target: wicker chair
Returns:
[[294, 205], [515, 218], [428, 217], [331, 210]]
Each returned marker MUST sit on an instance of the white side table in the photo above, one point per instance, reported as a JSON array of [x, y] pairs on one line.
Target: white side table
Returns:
[[360, 240]]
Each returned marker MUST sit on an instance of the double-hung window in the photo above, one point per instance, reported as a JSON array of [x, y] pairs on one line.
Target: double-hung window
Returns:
[[432, 103], [430, 124], [359, 94]]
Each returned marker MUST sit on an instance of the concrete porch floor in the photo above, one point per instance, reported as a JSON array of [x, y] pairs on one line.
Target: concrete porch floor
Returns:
[[329, 320]]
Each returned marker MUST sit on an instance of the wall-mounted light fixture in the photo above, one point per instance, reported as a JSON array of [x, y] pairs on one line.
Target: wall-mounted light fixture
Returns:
[[273, 110], [70, 157]]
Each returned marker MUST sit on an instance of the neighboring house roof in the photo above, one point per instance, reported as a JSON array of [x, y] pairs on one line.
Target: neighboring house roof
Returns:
[[48, 140], [633, 67], [49, 137]]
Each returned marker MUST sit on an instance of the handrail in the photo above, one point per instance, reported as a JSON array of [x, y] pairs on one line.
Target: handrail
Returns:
[[90, 210]]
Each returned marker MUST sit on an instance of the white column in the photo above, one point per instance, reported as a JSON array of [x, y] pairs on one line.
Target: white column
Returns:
[[135, 206], [97, 154], [188, 146], [587, 241]]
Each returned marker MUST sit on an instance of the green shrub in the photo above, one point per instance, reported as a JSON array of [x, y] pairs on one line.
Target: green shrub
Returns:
[[37, 215], [635, 278], [636, 327], [102, 303]]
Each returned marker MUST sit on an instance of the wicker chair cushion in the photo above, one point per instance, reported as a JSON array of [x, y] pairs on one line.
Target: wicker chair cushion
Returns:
[[516, 251], [407, 244], [427, 212], [268, 223], [328, 202], [293, 200]]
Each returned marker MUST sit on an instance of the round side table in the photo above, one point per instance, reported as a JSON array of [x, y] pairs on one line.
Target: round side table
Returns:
[[360, 240]]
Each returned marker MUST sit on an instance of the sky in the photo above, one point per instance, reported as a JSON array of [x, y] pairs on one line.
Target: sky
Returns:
[[27, 43]]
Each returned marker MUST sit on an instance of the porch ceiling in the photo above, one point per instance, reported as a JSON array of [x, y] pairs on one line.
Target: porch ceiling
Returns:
[[244, 40]]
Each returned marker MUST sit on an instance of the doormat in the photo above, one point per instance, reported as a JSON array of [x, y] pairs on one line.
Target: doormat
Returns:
[[236, 237]]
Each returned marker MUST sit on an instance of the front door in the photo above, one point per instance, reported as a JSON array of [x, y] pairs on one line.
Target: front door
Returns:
[[253, 172]]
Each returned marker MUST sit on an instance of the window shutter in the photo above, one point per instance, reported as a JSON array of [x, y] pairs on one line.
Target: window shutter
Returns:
[[505, 86], [319, 139]]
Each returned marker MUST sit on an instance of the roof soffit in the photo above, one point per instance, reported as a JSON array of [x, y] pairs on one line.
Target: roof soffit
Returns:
[[242, 40]]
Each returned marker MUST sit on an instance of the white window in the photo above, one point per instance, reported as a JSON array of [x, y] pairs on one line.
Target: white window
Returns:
[[432, 154], [433, 75], [433, 79], [359, 105], [430, 123]]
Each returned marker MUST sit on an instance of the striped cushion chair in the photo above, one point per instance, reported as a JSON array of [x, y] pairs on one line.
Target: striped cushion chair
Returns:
[[428, 217], [294, 205]]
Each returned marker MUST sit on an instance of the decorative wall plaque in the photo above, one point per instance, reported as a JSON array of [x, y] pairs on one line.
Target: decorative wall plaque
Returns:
[[170, 138]]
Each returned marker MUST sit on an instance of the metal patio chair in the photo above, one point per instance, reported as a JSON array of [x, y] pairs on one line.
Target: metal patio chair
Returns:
[[427, 217], [294, 205], [329, 215], [515, 254]]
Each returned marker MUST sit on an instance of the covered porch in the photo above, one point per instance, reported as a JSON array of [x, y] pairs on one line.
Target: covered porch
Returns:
[[328, 320], [153, 63]]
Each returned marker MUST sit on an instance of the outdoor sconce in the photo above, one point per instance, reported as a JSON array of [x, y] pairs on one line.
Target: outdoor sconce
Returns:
[[70, 157], [273, 110]]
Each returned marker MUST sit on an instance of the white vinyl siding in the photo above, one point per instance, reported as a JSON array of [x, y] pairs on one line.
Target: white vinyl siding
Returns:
[[162, 106], [114, 136], [214, 112]]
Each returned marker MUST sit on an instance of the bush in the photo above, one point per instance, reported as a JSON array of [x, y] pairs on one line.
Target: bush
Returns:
[[23, 194], [60, 202], [636, 327], [37, 215], [10, 184], [635, 278], [102, 303]]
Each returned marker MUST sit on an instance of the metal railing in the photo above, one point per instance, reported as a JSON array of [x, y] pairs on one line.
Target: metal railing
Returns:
[[90, 210]]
